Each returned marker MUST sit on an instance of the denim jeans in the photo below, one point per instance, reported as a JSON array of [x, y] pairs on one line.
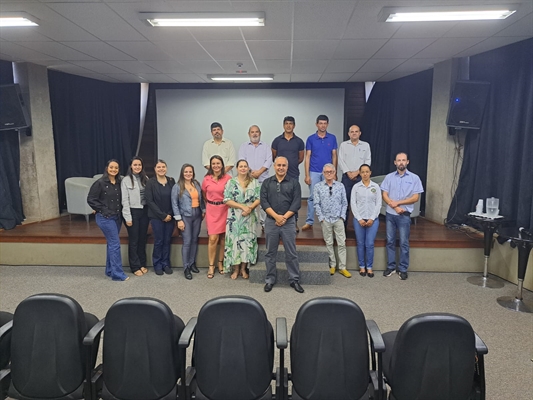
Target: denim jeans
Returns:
[[365, 243], [111, 227], [402, 223], [315, 178], [137, 233], [190, 237], [162, 236]]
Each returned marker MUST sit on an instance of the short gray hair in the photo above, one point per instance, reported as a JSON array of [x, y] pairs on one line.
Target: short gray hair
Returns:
[[329, 165]]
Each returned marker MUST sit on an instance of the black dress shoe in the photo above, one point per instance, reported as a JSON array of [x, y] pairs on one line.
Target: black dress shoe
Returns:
[[268, 287], [296, 286], [194, 268], [187, 273], [168, 270]]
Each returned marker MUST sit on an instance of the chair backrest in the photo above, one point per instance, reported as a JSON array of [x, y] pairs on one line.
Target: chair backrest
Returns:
[[140, 350], [47, 354], [76, 190], [433, 358], [329, 350], [5, 342], [233, 349]]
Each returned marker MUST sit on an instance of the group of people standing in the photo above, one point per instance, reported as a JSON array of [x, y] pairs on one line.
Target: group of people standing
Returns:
[[233, 206]]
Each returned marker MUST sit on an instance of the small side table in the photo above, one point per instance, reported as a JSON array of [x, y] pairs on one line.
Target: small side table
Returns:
[[524, 241], [489, 226]]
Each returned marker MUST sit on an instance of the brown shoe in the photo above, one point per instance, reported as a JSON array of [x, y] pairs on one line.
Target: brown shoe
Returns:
[[306, 227]]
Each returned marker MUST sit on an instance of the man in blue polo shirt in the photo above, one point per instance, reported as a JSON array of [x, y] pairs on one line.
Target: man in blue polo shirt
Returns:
[[401, 190], [320, 149]]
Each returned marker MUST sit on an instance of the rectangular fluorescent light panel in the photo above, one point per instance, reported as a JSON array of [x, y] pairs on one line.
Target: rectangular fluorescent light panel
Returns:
[[17, 19], [231, 78], [449, 15], [204, 19]]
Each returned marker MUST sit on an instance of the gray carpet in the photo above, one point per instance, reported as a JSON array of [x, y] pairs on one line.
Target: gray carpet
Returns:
[[389, 301]]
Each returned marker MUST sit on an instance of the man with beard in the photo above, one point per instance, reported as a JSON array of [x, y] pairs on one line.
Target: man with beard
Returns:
[[259, 158], [401, 190], [219, 146]]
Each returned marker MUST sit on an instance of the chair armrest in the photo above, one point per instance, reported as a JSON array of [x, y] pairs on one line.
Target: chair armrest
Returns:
[[95, 331], [188, 331], [375, 335], [481, 347], [6, 328], [281, 333]]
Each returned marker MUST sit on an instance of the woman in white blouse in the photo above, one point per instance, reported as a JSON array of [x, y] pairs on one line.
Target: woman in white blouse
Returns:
[[365, 203]]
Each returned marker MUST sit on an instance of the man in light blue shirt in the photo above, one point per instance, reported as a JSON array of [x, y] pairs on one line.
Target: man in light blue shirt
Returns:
[[401, 189], [330, 206], [259, 158]]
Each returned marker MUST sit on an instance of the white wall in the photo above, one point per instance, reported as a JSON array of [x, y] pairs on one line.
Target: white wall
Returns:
[[185, 115]]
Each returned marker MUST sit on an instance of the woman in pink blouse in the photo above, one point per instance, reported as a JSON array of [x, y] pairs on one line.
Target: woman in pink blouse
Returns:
[[216, 212]]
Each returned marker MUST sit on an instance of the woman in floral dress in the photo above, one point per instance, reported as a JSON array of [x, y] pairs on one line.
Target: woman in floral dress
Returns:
[[241, 195]]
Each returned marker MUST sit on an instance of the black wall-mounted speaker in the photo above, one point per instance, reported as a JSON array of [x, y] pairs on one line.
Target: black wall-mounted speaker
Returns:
[[13, 112], [467, 104]]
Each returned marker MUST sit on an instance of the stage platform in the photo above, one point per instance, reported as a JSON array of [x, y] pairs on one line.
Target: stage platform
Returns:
[[69, 240]]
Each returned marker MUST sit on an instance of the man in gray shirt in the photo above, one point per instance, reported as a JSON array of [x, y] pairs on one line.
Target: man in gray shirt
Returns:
[[281, 199]]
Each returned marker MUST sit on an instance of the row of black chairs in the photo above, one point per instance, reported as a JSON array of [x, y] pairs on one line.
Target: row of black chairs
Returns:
[[49, 351]]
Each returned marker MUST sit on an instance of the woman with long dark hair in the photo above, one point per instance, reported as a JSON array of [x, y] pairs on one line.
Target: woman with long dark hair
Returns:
[[105, 199], [158, 199], [189, 210], [216, 212], [242, 197], [135, 214]]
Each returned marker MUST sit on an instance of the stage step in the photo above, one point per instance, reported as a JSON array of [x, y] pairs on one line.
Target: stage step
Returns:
[[314, 266]]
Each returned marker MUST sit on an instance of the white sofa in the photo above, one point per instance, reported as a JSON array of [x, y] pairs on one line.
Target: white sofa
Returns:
[[416, 207], [77, 189]]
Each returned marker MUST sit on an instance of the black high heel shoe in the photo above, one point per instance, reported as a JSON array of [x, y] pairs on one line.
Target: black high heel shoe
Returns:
[[362, 273]]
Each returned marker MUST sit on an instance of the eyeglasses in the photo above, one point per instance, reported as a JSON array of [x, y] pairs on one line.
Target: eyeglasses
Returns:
[[330, 190], [329, 172]]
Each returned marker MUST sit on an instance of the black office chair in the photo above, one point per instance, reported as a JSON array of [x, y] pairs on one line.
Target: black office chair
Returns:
[[330, 352], [233, 355], [47, 355], [141, 357], [5, 350], [435, 356]]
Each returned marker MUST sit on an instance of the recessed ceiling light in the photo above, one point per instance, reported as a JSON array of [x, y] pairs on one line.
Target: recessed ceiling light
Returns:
[[462, 13], [8, 19], [203, 19], [241, 77]]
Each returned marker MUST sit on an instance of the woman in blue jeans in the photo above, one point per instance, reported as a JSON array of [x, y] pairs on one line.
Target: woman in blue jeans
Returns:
[[366, 205], [157, 193], [105, 199], [189, 211]]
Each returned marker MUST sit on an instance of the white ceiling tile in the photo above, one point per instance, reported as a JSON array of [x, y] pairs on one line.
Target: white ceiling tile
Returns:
[[224, 33], [337, 66], [156, 78], [22, 34], [335, 77], [203, 67], [270, 49], [278, 19], [309, 66], [522, 27], [273, 66], [446, 47], [125, 77], [98, 67], [23, 53], [314, 49], [422, 30], [99, 50], [421, 64], [58, 50], [402, 48], [186, 78], [358, 48], [381, 65], [98, 19], [134, 67], [305, 77], [142, 51], [364, 25], [474, 29], [490, 44], [366, 77], [183, 50], [321, 19], [231, 67], [280, 78], [167, 66], [394, 75], [227, 50]]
